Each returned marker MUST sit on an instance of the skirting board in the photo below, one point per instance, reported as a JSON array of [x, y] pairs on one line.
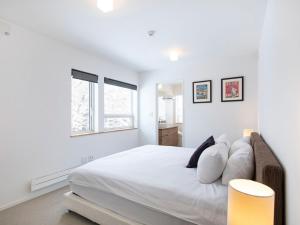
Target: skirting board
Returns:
[[93, 212], [32, 196]]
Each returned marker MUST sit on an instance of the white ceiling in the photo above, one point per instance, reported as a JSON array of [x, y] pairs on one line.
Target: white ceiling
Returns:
[[200, 28]]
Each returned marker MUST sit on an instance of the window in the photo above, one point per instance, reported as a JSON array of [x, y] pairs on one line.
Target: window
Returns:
[[120, 105], [84, 102], [119, 109]]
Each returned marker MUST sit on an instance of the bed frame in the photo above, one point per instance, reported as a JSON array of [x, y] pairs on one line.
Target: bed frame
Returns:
[[268, 171], [94, 212]]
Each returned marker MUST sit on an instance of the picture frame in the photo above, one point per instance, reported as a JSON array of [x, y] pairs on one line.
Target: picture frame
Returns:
[[232, 89], [202, 91]]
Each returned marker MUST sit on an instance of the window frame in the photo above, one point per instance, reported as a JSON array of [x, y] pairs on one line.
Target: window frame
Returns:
[[92, 101], [110, 116], [96, 101], [133, 116], [92, 109]]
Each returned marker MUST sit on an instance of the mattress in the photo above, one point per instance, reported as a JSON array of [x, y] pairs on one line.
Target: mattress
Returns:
[[126, 208], [156, 177]]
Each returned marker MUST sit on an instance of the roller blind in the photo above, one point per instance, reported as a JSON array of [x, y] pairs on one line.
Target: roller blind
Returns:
[[80, 75], [119, 83]]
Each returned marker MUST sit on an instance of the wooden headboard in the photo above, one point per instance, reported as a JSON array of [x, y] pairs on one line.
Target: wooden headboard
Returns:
[[269, 171]]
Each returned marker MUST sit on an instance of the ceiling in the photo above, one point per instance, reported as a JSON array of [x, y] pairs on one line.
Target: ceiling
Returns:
[[198, 28]]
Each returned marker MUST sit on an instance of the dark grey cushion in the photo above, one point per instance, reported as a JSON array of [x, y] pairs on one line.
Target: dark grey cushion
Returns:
[[195, 157]]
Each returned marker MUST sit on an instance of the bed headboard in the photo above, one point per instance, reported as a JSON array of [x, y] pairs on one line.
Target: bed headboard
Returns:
[[269, 171]]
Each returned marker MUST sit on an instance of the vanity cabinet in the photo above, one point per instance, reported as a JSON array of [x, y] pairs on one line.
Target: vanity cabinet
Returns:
[[168, 136]]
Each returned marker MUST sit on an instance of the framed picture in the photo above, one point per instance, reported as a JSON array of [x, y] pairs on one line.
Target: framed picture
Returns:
[[232, 89], [202, 91]]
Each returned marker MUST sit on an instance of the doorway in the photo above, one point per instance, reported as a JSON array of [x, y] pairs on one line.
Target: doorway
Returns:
[[170, 114]]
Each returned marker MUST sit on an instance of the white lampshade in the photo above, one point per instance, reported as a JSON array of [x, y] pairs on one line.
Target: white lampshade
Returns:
[[247, 132], [250, 203], [105, 5]]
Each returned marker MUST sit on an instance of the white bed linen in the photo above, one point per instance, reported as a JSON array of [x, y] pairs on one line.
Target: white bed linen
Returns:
[[155, 176], [126, 208]]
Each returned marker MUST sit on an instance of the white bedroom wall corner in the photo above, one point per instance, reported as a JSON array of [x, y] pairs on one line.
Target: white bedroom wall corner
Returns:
[[147, 110], [279, 69], [260, 68], [35, 114]]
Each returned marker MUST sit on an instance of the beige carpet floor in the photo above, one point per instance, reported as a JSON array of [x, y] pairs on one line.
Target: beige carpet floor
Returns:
[[45, 210]]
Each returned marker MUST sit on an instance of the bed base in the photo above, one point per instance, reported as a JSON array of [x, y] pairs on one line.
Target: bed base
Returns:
[[268, 170], [94, 212]]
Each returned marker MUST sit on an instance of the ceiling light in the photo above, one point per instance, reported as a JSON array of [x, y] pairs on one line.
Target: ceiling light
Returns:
[[174, 55], [105, 5]]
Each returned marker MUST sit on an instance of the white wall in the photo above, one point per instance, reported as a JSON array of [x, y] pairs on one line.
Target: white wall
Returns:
[[202, 120], [35, 97], [279, 93]]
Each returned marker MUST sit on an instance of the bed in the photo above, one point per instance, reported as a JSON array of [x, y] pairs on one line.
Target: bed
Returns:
[[150, 185]]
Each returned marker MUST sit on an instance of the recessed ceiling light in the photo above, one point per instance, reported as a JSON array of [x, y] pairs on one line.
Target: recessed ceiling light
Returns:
[[105, 5], [174, 55]]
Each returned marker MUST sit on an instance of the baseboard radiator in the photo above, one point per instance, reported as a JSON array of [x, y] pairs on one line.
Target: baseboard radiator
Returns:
[[51, 179]]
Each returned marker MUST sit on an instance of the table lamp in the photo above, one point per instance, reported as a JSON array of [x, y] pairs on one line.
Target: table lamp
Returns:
[[247, 132], [250, 203]]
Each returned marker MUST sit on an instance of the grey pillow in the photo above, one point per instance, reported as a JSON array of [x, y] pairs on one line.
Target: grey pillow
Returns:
[[212, 162], [223, 139], [239, 144], [240, 165]]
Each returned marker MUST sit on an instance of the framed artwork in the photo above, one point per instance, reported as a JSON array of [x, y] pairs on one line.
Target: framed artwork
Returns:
[[232, 89], [202, 91]]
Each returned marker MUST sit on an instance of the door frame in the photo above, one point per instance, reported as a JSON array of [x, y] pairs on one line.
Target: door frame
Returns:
[[157, 109]]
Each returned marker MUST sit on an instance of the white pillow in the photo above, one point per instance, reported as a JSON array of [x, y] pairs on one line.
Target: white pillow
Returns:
[[223, 139], [242, 142], [239, 166], [212, 162], [246, 139]]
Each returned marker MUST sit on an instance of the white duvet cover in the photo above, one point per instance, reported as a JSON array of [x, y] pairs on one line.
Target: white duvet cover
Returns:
[[156, 176]]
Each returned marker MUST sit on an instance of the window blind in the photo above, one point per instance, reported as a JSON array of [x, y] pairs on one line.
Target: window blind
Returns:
[[80, 75], [120, 84]]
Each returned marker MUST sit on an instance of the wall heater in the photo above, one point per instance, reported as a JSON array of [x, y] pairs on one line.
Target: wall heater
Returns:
[[51, 179]]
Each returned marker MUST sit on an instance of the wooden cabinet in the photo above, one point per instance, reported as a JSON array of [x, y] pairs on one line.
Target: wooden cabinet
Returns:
[[168, 136]]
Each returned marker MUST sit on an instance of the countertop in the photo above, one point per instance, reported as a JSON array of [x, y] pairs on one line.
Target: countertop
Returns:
[[166, 126]]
